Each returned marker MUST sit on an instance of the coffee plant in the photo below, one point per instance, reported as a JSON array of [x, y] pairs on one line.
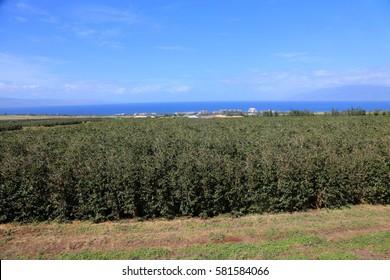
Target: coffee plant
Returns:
[[170, 167]]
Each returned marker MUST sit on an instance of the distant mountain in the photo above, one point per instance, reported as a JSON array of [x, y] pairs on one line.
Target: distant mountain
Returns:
[[6, 102], [347, 93]]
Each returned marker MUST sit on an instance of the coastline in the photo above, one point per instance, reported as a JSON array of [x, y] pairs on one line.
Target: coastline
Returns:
[[180, 108]]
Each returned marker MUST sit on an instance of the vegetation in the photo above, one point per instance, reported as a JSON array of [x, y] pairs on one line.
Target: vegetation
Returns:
[[270, 113], [352, 112], [301, 113], [147, 168], [358, 232], [9, 125]]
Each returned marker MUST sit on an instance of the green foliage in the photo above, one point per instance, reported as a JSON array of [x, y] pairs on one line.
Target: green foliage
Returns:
[[269, 113], [352, 112], [355, 112], [146, 168], [221, 251], [337, 256], [300, 113], [9, 125], [136, 254]]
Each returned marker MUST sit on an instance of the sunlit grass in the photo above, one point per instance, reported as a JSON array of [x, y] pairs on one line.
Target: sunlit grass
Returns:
[[359, 232]]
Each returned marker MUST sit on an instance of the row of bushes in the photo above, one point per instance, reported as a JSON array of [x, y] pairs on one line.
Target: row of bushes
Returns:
[[9, 125], [192, 167]]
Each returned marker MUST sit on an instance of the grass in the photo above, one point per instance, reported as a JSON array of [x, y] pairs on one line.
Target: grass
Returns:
[[358, 232], [137, 254]]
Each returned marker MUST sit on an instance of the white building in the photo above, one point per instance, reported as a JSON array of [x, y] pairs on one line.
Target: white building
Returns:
[[252, 111]]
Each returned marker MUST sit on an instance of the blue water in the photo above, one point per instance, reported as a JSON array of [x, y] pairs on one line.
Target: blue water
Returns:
[[173, 107]]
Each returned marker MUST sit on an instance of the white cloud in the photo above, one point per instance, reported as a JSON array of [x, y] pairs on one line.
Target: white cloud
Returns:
[[120, 90], [92, 86], [29, 76], [295, 81], [322, 73], [26, 70], [173, 6], [105, 89], [11, 87], [100, 25], [21, 19], [26, 77], [29, 9], [145, 89], [173, 48], [178, 89], [292, 54], [297, 56], [106, 14], [159, 88], [359, 76], [85, 32], [114, 45], [35, 77], [104, 37]]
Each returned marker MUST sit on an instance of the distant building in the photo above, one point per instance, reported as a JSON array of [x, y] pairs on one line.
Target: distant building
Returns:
[[252, 112], [183, 114], [204, 112]]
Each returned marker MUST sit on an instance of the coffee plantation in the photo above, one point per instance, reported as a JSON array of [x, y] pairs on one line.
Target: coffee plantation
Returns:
[[170, 167]]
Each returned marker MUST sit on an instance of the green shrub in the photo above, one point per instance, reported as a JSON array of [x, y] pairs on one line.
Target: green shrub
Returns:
[[146, 168]]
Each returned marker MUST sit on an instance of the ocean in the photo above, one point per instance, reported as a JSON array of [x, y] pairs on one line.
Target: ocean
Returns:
[[173, 107]]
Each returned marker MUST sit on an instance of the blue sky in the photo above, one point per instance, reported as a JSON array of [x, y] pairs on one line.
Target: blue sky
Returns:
[[192, 50]]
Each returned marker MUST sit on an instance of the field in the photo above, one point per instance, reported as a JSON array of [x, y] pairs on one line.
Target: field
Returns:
[[18, 122], [167, 188], [150, 168], [359, 232]]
